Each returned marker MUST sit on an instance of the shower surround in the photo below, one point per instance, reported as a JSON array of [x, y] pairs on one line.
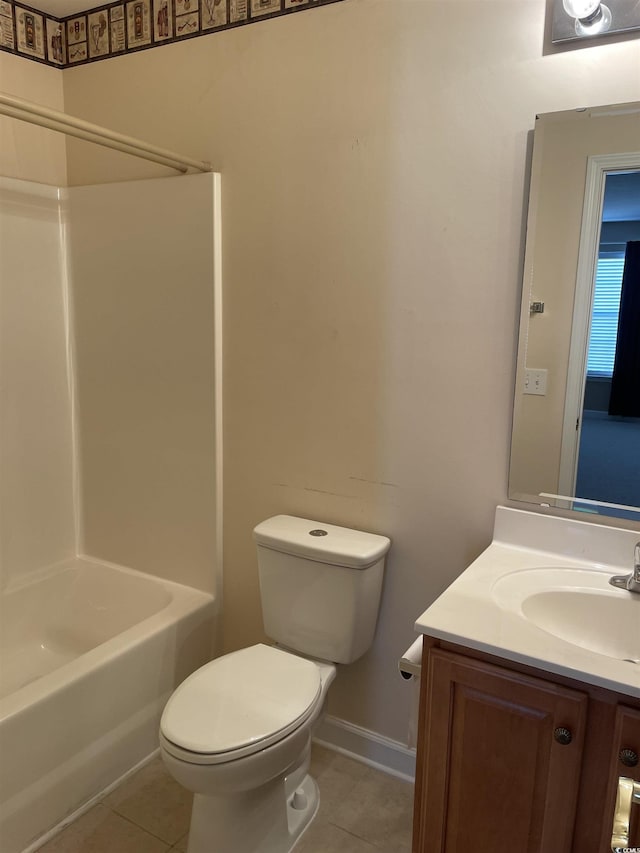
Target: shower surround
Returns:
[[91, 647]]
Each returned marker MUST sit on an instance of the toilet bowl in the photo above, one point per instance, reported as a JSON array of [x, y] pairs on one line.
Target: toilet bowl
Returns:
[[237, 732], [249, 770]]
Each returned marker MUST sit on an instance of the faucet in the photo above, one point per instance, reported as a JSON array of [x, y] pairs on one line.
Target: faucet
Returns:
[[630, 582]]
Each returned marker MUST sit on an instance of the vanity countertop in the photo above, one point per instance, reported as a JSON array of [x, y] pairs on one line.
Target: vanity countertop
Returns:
[[540, 595]]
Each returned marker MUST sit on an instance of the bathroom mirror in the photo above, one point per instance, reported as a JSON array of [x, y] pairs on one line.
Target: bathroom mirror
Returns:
[[576, 427]]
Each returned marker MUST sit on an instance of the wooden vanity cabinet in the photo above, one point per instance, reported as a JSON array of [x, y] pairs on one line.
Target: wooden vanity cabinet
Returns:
[[512, 759]]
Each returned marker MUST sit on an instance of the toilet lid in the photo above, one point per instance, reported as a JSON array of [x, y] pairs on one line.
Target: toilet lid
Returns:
[[254, 696]]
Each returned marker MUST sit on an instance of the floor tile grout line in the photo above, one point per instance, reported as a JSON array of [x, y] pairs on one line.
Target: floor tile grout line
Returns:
[[348, 832], [144, 829]]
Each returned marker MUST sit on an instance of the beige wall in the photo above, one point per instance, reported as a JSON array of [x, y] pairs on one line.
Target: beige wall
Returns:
[[373, 161], [29, 152], [563, 145]]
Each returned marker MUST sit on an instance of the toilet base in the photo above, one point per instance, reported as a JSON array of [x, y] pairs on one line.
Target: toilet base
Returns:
[[300, 814], [269, 819]]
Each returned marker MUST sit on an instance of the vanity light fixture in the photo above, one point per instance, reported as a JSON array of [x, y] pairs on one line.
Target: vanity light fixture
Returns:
[[580, 19]]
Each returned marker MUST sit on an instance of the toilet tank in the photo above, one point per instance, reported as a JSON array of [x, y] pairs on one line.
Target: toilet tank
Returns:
[[320, 586]]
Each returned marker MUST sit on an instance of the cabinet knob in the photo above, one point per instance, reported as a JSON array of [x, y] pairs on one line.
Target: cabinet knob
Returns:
[[628, 757], [563, 736]]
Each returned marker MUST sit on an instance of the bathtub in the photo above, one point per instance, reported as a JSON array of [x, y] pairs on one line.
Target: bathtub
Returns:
[[89, 654]]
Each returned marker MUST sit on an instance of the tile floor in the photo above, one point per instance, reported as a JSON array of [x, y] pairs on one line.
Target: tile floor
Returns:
[[362, 810]]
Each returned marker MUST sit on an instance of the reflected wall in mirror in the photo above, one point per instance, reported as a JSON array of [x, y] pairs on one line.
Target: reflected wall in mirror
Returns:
[[576, 429]]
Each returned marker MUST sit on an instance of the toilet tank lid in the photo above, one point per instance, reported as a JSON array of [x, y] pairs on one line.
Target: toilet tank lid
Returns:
[[325, 543]]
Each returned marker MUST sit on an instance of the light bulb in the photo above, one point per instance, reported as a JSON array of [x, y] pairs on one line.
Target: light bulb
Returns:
[[591, 16], [581, 8]]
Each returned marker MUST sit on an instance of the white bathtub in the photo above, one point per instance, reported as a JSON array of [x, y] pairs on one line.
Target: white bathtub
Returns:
[[89, 654]]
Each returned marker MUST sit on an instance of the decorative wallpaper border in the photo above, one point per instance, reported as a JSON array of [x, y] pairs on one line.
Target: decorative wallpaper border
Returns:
[[127, 26]]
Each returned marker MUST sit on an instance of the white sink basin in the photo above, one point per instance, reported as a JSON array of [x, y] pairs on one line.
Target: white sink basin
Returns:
[[576, 605], [539, 595]]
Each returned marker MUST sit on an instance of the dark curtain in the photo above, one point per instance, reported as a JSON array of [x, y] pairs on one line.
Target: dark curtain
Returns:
[[625, 382]]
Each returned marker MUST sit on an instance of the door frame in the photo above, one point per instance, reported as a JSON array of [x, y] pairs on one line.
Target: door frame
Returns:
[[598, 166]]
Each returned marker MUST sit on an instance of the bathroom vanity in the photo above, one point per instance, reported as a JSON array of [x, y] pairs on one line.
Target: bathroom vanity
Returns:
[[530, 694]]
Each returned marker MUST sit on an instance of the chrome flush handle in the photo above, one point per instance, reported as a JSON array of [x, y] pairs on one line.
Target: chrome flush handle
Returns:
[[628, 794]]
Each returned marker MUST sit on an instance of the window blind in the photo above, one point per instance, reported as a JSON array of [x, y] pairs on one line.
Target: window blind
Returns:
[[604, 318]]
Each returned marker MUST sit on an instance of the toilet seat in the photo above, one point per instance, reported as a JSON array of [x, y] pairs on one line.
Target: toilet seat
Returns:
[[239, 704]]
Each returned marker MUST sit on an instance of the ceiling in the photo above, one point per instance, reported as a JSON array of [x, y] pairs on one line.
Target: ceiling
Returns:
[[62, 8]]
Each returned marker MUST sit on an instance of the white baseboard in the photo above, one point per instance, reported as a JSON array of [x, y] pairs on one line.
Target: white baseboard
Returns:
[[373, 749]]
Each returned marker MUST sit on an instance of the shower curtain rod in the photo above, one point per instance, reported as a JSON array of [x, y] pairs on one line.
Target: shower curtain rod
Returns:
[[62, 123]]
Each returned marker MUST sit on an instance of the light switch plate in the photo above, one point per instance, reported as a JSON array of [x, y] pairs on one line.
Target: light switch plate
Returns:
[[535, 381]]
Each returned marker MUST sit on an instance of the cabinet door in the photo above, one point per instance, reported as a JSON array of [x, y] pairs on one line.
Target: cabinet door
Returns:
[[624, 761], [495, 775]]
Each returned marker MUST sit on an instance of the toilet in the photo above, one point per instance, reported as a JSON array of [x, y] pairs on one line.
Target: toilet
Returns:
[[237, 732]]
